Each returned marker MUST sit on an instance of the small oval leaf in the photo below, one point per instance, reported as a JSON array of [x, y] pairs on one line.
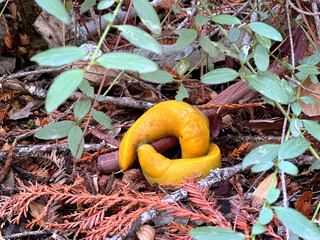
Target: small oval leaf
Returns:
[[265, 30], [103, 119], [297, 223], [81, 109], [148, 15], [258, 229], [274, 89], [262, 166], [86, 5], [220, 75], [140, 38], [59, 56], [296, 108], [266, 215], [288, 168], [55, 130], [208, 46], [313, 128], [62, 87], [105, 4], [260, 154], [307, 100], [158, 76], [226, 19], [74, 138], [261, 58], [209, 233], [201, 20], [55, 8], [273, 195], [181, 94], [293, 148], [187, 36], [127, 61]]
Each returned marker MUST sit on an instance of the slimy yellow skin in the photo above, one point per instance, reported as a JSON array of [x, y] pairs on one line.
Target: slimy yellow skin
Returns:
[[169, 118], [159, 169]]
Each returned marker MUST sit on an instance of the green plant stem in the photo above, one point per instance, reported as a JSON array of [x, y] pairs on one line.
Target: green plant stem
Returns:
[[104, 35], [5, 5], [315, 213], [198, 63], [314, 153], [165, 18]]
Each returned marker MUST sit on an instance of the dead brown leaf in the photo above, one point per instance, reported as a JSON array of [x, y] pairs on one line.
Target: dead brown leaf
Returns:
[[310, 109], [260, 194]]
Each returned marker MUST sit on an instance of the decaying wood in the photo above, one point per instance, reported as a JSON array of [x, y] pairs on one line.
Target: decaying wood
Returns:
[[35, 150]]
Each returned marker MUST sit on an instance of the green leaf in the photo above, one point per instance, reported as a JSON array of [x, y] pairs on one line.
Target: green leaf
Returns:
[[59, 56], [220, 75], [87, 5], [264, 153], [295, 126], [308, 100], [103, 119], [82, 109], [271, 88], [273, 195], [55, 130], [293, 148], [62, 88], [297, 223], [208, 46], [315, 165], [261, 58], [266, 42], [314, 59], [226, 19], [55, 8], [234, 34], [109, 17], [183, 65], [296, 108], [288, 168], [74, 138], [201, 20], [308, 69], [176, 9], [258, 229], [262, 166], [148, 15], [86, 88], [209, 233], [313, 128], [127, 61], [187, 36], [105, 4], [158, 76], [266, 215], [181, 94], [265, 30], [140, 38]]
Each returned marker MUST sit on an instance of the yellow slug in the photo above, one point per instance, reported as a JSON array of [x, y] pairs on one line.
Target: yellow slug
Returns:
[[169, 118], [159, 169]]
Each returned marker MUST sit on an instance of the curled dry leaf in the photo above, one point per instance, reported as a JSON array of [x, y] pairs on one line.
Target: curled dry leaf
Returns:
[[310, 109], [146, 232], [260, 194]]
